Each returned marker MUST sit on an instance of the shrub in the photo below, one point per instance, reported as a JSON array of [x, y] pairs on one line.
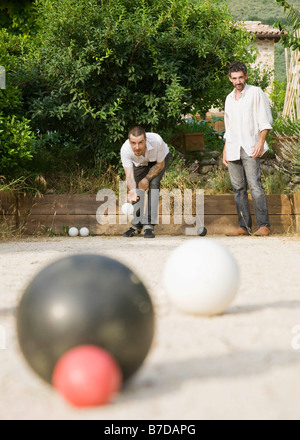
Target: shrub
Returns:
[[277, 98], [284, 126], [16, 135], [16, 140], [17, 15], [109, 65], [275, 183], [213, 140], [289, 157], [219, 182]]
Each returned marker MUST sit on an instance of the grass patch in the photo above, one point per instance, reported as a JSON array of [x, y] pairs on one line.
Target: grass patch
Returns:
[[276, 183], [219, 183]]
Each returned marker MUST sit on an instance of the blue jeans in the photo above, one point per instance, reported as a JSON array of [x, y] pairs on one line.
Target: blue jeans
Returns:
[[246, 172]]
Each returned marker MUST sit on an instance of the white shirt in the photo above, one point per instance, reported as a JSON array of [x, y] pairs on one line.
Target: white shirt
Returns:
[[156, 151], [244, 119]]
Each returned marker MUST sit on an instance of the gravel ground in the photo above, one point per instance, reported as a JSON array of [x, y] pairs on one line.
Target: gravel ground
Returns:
[[243, 364]]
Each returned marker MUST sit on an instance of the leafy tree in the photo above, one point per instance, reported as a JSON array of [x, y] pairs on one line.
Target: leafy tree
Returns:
[[16, 137], [17, 15], [107, 65], [290, 38]]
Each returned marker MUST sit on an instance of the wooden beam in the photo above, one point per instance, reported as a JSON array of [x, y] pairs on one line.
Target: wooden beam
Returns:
[[58, 212]]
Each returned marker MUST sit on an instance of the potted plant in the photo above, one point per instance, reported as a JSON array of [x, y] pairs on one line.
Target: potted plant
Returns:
[[193, 134]]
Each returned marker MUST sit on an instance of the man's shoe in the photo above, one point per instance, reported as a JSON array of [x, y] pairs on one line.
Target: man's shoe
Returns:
[[132, 232], [262, 232], [237, 233], [149, 233]]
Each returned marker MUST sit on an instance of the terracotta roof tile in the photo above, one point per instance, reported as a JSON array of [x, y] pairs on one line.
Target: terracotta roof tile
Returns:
[[262, 30]]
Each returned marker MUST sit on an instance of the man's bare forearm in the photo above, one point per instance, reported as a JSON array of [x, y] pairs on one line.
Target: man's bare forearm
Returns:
[[259, 147], [131, 184], [130, 180], [263, 136]]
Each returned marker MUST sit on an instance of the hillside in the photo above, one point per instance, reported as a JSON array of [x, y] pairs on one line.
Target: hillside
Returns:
[[268, 12]]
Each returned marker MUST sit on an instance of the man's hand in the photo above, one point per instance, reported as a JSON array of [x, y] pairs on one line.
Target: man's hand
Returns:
[[258, 150], [144, 184], [132, 196], [225, 162]]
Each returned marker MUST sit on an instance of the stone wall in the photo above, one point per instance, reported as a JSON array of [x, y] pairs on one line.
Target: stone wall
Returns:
[[266, 57]]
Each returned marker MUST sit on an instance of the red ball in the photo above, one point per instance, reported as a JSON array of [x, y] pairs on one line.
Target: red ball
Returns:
[[87, 376]]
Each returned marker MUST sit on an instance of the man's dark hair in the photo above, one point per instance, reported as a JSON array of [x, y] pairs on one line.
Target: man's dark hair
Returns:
[[237, 67], [137, 131]]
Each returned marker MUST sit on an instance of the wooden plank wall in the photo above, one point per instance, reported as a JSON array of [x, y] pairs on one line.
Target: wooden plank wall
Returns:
[[56, 212], [9, 211], [296, 209]]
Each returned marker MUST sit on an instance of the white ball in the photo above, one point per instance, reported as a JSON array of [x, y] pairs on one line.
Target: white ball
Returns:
[[73, 232], [84, 232], [201, 277], [127, 208]]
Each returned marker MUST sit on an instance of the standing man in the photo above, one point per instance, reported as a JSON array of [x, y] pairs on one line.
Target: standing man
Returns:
[[248, 120], [145, 158]]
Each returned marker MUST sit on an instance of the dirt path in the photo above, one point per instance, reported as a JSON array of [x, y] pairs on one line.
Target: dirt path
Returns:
[[240, 365]]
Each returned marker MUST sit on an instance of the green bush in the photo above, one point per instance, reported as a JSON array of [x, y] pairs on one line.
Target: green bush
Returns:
[[219, 182], [289, 156], [106, 66], [16, 141], [213, 140], [17, 15], [11, 50], [275, 183], [16, 135], [277, 98], [283, 126], [289, 34]]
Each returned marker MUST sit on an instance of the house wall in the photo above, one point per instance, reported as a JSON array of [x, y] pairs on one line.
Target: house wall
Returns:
[[266, 57], [265, 60]]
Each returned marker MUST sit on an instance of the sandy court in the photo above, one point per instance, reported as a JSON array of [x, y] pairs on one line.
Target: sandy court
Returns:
[[243, 364]]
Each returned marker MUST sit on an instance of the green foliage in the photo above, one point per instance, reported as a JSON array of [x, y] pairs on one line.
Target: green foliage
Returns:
[[277, 97], [219, 182], [53, 153], [280, 73], [18, 16], [266, 11], [275, 183], [260, 77], [12, 53], [284, 126], [212, 139], [289, 159], [288, 132], [13, 185], [293, 19], [178, 172], [15, 143], [109, 65], [16, 137]]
